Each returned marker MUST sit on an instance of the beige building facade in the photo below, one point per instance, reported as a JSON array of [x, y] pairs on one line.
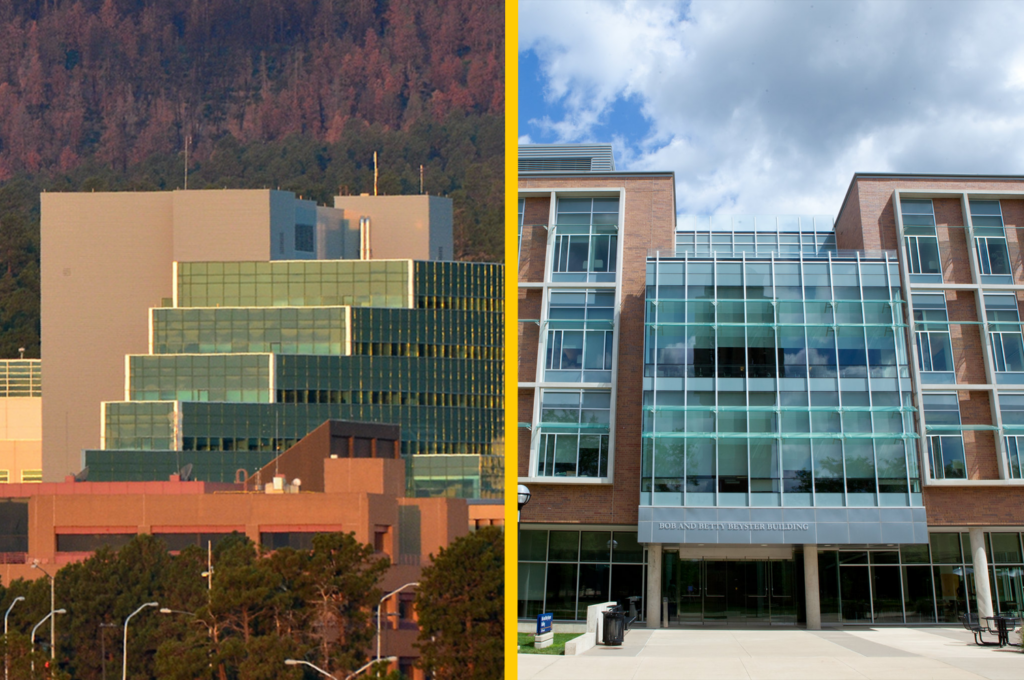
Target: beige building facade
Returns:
[[416, 227], [106, 259], [20, 421]]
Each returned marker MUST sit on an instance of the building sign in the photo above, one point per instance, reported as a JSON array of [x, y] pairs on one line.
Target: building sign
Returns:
[[544, 623], [781, 525], [735, 526]]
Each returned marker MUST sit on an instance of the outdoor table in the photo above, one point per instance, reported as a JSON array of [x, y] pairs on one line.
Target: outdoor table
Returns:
[[1004, 624]]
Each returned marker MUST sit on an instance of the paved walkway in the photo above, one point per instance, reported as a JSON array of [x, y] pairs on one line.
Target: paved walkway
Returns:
[[793, 654]]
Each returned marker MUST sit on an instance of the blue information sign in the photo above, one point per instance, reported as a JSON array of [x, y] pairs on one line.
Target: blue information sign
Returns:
[[544, 623]]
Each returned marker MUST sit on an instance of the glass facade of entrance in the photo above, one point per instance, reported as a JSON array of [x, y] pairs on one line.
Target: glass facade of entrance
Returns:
[[776, 380]]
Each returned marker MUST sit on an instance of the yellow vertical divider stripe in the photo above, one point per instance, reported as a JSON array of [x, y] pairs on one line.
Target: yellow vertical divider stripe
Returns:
[[511, 331]]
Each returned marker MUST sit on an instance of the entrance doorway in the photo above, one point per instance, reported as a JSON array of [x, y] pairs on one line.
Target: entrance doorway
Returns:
[[730, 592]]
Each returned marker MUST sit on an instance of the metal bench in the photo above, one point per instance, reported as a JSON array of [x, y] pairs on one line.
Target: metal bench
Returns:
[[971, 623]]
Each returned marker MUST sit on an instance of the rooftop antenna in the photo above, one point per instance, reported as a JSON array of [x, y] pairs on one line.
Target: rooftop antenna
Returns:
[[374, 173], [188, 140], [185, 473], [421, 179]]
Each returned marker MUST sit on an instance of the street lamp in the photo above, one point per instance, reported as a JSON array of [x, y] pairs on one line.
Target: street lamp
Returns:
[[53, 630], [209, 629], [18, 599], [32, 644], [300, 662], [523, 496], [381, 604], [389, 659], [124, 665]]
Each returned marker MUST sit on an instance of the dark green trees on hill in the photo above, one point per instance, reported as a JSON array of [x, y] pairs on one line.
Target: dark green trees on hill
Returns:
[[104, 94]]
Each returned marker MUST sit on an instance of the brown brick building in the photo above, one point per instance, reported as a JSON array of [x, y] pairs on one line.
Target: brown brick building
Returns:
[[325, 483], [774, 420]]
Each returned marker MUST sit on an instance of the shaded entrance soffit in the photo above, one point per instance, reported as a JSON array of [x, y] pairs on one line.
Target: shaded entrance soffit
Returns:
[[781, 525]]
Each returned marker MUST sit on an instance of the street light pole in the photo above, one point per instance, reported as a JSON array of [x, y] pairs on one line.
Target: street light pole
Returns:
[[18, 599], [522, 497], [300, 662], [381, 604], [124, 666], [103, 646], [389, 659], [53, 621], [32, 638]]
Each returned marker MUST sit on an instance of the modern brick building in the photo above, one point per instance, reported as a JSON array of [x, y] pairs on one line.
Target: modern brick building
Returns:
[[769, 420]]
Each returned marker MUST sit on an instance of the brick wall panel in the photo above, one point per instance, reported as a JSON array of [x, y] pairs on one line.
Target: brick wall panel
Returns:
[[965, 338], [535, 239], [649, 223], [979, 445], [960, 506], [1013, 221], [529, 333]]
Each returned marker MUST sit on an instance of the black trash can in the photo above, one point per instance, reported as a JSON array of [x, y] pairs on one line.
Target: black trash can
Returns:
[[614, 627]]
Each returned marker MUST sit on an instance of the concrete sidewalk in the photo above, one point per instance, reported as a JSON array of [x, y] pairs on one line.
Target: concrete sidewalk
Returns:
[[787, 654]]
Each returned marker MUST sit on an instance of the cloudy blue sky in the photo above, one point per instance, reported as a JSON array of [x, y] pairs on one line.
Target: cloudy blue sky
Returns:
[[770, 107]]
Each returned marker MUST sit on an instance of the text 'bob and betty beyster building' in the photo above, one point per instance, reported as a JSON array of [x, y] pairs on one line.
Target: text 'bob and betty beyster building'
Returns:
[[770, 419]]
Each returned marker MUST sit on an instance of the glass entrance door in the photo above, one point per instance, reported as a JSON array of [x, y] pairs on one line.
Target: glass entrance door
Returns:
[[783, 591], [729, 592]]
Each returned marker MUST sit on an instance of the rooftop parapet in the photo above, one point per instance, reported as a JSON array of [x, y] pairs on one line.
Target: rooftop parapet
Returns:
[[21, 378]]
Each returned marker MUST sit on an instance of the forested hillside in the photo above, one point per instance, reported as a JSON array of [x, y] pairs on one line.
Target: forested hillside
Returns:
[[296, 94]]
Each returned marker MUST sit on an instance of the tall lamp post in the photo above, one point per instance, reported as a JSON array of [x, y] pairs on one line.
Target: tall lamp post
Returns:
[[53, 620], [381, 604], [124, 665], [32, 638], [18, 599], [523, 497], [103, 646]]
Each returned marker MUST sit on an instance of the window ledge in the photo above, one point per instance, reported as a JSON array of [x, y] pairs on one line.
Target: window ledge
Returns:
[[577, 481], [973, 482]]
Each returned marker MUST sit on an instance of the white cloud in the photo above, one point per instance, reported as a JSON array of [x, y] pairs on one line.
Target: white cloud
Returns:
[[771, 107]]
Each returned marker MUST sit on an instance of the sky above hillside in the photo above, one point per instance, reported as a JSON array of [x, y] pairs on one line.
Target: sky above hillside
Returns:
[[770, 107]]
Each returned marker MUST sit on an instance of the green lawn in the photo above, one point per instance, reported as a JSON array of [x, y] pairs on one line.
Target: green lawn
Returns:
[[558, 647]]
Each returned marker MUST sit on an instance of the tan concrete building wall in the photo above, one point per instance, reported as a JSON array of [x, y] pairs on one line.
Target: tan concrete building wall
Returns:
[[17, 457], [21, 418], [106, 259], [402, 227], [232, 224]]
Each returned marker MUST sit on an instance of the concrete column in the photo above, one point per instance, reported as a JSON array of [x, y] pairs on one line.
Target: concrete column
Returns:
[[654, 585], [980, 560], [811, 598]]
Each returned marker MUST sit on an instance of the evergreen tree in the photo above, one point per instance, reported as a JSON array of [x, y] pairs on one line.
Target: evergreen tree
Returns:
[[460, 605]]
